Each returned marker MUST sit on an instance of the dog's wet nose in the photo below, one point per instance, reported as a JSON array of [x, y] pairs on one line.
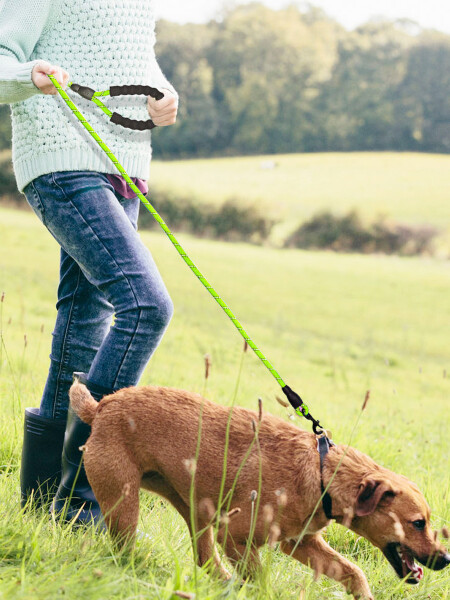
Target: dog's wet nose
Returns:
[[442, 561]]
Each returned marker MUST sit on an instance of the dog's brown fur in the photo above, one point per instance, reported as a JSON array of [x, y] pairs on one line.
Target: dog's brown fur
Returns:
[[147, 437]]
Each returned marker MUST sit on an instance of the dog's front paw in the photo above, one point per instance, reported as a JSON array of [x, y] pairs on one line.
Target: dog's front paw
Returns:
[[362, 592], [359, 587]]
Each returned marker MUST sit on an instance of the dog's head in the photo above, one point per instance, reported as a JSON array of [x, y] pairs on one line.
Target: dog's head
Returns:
[[393, 515]]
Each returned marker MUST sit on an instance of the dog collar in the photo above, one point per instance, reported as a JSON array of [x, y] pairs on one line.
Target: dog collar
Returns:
[[323, 447]]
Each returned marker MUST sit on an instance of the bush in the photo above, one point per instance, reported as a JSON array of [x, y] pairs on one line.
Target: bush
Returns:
[[228, 222], [348, 234]]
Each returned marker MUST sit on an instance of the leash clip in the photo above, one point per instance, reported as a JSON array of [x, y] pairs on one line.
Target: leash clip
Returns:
[[301, 409]]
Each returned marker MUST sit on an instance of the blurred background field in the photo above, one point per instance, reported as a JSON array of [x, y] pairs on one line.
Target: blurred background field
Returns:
[[404, 188], [412, 188]]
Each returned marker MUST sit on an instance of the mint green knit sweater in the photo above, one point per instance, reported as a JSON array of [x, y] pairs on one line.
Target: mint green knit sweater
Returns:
[[100, 43]]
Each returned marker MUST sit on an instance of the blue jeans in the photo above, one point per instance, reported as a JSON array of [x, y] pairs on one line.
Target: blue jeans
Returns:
[[106, 272]]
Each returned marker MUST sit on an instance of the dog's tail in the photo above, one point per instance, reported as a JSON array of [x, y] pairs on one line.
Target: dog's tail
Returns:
[[82, 402]]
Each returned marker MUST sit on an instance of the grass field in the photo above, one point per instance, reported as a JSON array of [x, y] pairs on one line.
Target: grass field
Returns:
[[407, 188], [333, 325]]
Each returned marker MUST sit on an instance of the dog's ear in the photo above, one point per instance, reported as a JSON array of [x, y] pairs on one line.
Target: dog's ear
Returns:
[[371, 493]]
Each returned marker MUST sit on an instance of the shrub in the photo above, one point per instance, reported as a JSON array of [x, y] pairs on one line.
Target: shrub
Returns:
[[227, 222], [348, 234]]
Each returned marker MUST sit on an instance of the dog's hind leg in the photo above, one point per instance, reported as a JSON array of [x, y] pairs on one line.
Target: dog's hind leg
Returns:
[[115, 481], [204, 536], [314, 552]]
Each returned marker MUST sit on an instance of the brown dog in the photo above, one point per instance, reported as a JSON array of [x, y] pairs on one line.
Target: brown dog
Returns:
[[147, 437]]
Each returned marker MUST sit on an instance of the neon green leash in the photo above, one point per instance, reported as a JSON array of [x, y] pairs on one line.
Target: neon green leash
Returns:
[[294, 399]]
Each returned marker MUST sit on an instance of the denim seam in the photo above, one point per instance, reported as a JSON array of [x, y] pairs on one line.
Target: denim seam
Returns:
[[128, 348], [39, 202], [66, 340]]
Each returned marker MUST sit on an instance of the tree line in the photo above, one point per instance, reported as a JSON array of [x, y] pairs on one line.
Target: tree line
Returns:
[[294, 80]]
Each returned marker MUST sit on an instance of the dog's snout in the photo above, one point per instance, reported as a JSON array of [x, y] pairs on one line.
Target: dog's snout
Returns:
[[440, 561], [444, 560]]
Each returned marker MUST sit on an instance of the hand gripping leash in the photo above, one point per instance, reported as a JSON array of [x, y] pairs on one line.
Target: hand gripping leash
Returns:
[[294, 399]]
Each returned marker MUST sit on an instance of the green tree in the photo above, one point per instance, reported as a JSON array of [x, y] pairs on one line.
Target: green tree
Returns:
[[423, 108]]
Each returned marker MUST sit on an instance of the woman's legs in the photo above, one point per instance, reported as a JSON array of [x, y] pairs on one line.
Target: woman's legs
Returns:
[[82, 323], [105, 268]]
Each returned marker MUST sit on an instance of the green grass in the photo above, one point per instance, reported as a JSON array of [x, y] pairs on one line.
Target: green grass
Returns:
[[408, 188], [333, 325]]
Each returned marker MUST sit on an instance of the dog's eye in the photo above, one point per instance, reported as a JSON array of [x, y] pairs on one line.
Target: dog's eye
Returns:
[[419, 524]]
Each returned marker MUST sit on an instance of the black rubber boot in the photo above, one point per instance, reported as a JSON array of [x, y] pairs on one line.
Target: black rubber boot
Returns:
[[74, 498], [40, 470]]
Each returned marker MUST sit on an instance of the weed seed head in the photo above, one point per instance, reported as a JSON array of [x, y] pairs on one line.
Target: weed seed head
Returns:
[[253, 495], [282, 402], [207, 508], [234, 512], [224, 520], [190, 464], [366, 400], [281, 498], [268, 514], [226, 517], [274, 535], [208, 364], [445, 533]]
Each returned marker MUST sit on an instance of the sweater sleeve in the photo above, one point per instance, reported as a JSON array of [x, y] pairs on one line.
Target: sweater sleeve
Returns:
[[21, 25], [158, 78]]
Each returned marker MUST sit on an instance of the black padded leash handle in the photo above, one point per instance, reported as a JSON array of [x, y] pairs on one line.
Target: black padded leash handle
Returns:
[[124, 90], [131, 124], [135, 90]]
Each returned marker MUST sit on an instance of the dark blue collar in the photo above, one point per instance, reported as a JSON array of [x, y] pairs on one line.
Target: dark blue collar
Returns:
[[323, 447]]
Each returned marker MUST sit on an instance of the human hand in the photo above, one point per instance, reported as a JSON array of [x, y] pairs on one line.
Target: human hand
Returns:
[[163, 112], [42, 82]]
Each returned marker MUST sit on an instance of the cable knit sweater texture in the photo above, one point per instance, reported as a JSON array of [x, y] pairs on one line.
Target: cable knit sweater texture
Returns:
[[100, 43]]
